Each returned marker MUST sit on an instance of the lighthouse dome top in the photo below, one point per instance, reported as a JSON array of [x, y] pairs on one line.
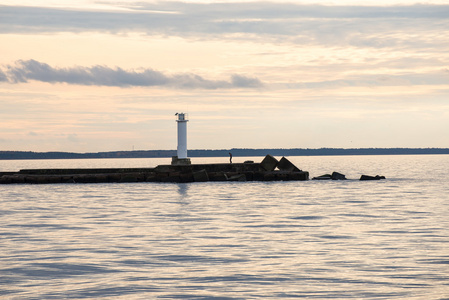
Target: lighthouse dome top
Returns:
[[182, 117]]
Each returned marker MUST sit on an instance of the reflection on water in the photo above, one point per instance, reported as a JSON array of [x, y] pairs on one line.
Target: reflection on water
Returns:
[[182, 190], [219, 240]]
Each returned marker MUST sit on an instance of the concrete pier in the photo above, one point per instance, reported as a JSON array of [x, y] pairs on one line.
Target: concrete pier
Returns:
[[264, 171]]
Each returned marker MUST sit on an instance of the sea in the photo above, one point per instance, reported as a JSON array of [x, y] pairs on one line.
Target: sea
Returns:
[[351, 239]]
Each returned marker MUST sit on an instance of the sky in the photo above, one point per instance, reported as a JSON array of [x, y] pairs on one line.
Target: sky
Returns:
[[90, 76]]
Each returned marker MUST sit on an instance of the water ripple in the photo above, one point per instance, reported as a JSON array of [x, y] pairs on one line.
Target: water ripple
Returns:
[[239, 240]]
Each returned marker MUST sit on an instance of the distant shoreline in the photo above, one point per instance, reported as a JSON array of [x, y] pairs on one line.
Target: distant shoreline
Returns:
[[236, 152]]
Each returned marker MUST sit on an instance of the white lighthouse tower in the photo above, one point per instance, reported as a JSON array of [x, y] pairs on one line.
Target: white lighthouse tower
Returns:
[[181, 158]]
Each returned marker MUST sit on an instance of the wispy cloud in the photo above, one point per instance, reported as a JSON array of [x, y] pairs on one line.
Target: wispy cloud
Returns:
[[368, 74], [25, 70], [359, 25], [3, 76]]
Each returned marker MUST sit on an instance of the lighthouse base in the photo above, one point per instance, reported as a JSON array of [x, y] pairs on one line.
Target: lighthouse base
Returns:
[[175, 161]]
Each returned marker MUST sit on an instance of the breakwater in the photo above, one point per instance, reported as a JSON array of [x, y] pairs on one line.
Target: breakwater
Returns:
[[270, 169]]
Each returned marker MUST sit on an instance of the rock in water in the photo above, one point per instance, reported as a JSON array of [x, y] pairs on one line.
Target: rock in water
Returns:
[[367, 177], [338, 176], [323, 177]]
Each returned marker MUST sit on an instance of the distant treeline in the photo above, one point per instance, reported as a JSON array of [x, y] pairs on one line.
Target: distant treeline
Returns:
[[4, 155]]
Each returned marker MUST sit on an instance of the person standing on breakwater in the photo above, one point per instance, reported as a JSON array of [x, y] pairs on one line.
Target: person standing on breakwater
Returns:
[[230, 157]]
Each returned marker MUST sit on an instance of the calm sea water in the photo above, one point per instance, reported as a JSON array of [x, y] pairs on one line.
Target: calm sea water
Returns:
[[242, 240]]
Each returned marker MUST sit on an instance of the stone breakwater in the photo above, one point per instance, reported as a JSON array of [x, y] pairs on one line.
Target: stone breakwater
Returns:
[[270, 169]]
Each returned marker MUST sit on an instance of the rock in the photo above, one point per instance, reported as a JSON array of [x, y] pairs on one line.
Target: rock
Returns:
[[102, 178], [6, 179], [249, 175], [367, 177], [299, 175], [334, 176], [150, 177], [54, 179], [285, 165], [238, 177], [31, 179], [282, 176], [160, 176], [67, 179], [128, 178], [323, 177], [248, 162], [113, 177], [269, 163], [91, 178], [217, 176], [258, 176], [172, 177], [269, 176], [186, 177], [338, 176], [12, 179], [200, 176]]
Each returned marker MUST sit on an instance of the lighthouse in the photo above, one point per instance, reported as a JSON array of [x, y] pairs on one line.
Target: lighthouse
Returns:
[[181, 158]]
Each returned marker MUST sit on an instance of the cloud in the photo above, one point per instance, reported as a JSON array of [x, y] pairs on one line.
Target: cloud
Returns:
[[25, 70], [368, 26], [3, 76], [406, 79], [242, 81]]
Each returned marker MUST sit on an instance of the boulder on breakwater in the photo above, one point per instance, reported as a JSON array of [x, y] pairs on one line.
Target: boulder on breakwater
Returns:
[[269, 163]]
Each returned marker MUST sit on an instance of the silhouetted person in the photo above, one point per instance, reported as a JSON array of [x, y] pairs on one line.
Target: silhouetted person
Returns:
[[230, 157]]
